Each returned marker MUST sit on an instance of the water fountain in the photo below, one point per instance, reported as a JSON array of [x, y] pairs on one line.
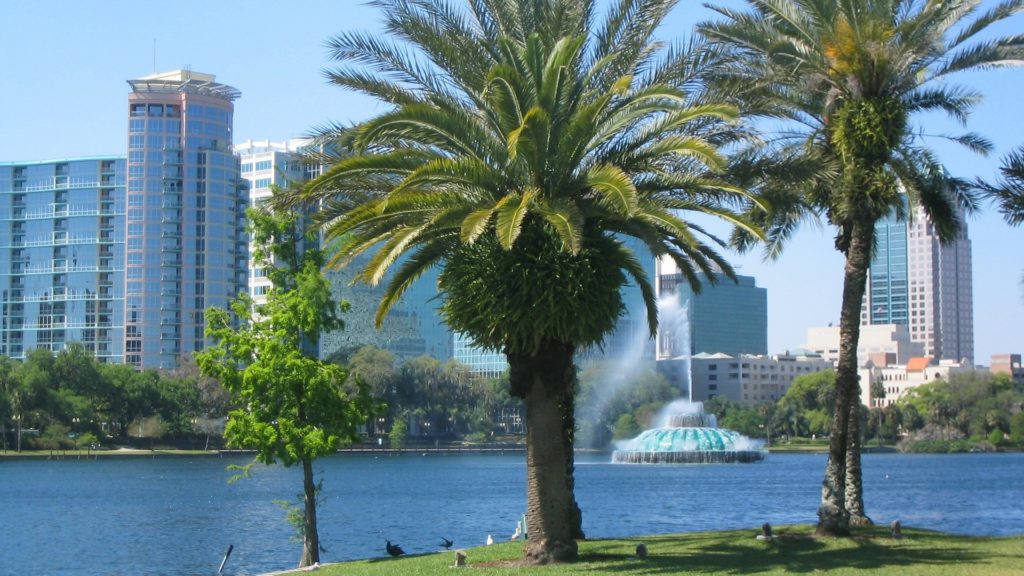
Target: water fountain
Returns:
[[686, 435]]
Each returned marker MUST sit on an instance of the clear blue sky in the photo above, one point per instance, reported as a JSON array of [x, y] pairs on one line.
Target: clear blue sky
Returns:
[[64, 93]]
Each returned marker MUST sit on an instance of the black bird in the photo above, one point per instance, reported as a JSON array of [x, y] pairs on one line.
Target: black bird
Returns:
[[446, 543], [394, 549]]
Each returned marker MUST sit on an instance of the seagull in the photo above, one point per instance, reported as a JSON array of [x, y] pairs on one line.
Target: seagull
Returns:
[[394, 549], [490, 539], [446, 543]]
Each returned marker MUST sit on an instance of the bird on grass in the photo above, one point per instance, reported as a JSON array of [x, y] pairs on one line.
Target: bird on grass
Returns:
[[446, 543], [393, 549]]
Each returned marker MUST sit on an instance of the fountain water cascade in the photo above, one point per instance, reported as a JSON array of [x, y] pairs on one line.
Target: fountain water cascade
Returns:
[[686, 435]]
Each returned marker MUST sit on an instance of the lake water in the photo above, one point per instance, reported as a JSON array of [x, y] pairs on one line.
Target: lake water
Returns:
[[177, 516]]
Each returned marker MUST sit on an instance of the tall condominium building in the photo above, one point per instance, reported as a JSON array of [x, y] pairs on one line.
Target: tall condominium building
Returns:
[[186, 246], [62, 256], [727, 316], [264, 164], [917, 282]]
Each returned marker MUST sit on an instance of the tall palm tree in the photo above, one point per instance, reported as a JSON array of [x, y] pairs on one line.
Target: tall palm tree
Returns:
[[851, 75], [525, 140]]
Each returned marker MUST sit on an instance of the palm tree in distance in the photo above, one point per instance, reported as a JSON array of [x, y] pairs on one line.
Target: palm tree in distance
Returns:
[[526, 139], [850, 75]]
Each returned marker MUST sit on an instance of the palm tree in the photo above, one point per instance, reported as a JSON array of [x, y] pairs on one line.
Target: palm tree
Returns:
[[526, 139], [850, 75], [1008, 191]]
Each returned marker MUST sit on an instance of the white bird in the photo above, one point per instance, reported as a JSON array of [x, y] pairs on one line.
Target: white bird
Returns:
[[490, 539]]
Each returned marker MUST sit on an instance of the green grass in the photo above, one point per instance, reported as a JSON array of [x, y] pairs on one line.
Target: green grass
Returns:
[[794, 550]]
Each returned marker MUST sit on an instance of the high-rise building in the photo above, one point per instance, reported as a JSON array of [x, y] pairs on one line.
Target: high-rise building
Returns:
[[186, 246], [726, 316], [62, 256], [264, 164], [918, 282]]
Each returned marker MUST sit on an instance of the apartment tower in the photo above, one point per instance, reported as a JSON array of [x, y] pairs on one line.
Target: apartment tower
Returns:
[[62, 256], [186, 248]]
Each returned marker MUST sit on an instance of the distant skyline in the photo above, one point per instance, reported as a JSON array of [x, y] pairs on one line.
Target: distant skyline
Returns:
[[66, 96]]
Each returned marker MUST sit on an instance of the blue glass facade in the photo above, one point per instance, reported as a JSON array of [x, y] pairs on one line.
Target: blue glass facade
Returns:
[[186, 245], [889, 273], [726, 317], [62, 256]]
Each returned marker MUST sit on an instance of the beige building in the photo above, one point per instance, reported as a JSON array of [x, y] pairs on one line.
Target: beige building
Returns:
[[898, 379], [742, 378], [1009, 364], [875, 339]]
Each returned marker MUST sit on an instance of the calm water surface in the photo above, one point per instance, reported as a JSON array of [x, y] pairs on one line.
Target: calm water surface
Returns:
[[177, 516]]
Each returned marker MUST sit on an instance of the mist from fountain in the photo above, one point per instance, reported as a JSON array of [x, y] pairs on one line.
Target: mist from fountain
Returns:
[[684, 434]]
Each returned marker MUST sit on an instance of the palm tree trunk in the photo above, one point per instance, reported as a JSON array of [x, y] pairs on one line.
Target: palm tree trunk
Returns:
[[854, 483], [569, 437], [310, 536], [542, 380], [833, 516]]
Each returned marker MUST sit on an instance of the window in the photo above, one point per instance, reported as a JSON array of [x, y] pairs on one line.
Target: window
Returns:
[[263, 165], [247, 167], [262, 183]]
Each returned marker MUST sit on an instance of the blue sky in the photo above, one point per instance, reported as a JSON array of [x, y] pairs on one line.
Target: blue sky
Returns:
[[64, 95]]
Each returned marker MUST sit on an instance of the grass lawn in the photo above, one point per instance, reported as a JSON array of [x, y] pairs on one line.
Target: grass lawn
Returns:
[[793, 550]]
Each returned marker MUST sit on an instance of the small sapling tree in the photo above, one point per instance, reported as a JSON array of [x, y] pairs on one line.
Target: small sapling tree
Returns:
[[293, 407]]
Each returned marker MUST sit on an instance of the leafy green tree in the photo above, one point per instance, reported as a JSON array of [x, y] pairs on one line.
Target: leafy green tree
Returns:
[[399, 434], [293, 408], [524, 141], [1017, 429], [626, 427], [851, 76]]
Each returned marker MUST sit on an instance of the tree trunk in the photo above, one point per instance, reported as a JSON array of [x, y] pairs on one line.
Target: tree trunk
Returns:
[[542, 380], [854, 485], [833, 516], [310, 536], [569, 437]]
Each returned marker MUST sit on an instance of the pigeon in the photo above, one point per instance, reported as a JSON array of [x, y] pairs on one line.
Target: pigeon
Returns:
[[394, 549], [446, 543]]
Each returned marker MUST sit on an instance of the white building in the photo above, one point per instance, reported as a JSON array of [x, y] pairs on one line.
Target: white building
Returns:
[[875, 339], [897, 380], [742, 378], [265, 164]]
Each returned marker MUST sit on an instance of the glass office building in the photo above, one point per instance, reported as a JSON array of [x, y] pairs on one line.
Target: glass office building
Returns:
[[186, 247], [729, 317], [62, 256], [918, 282]]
